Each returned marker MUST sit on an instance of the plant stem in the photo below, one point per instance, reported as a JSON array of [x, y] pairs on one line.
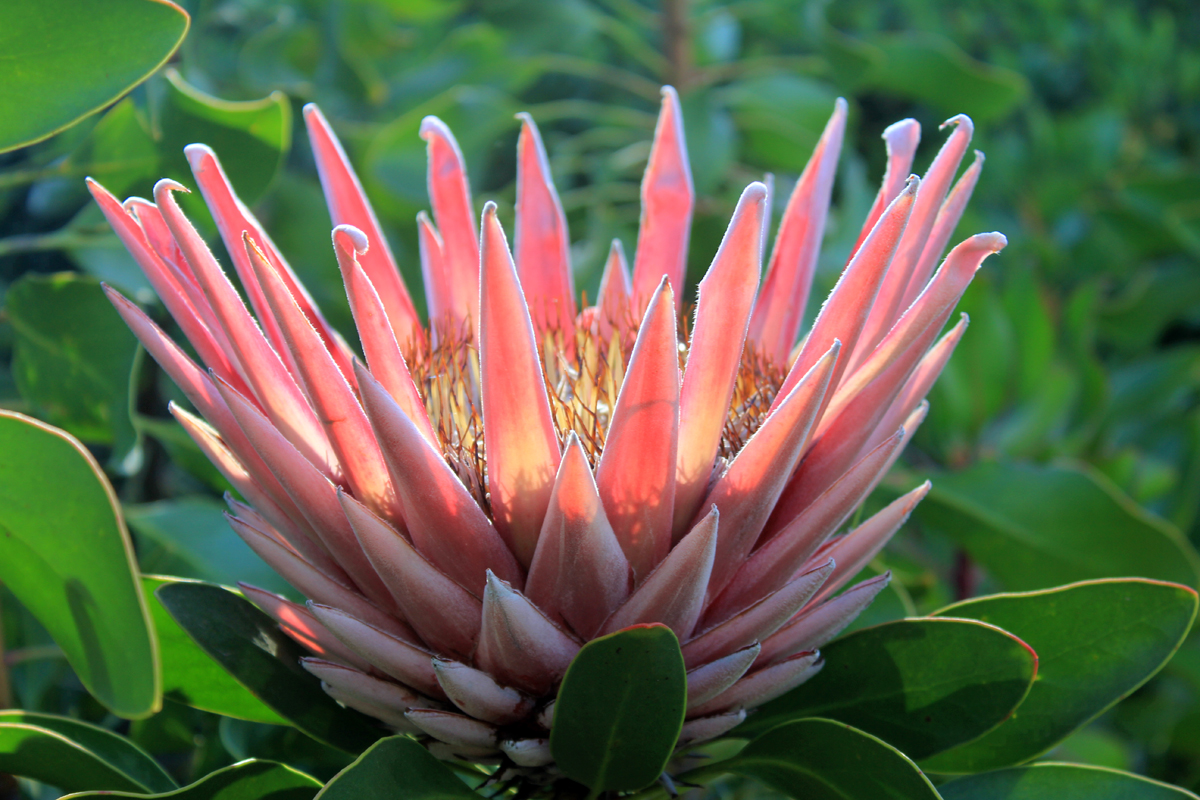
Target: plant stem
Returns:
[[5, 686], [677, 43], [54, 240]]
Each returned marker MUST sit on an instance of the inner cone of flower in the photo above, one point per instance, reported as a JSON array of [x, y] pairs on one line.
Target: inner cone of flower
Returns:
[[479, 496]]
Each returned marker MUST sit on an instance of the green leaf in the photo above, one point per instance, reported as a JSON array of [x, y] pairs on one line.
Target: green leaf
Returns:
[[923, 685], [620, 709], [930, 68], [117, 751], [190, 538], [249, 644], [182, 449], [1037, 526], [251, 138], [1096, 643], [73, 356], [50, 757], [249, 780], [822, 759], [891, 604], [66, 556], [66, 59], [119, 152], [391, 763], [191, 677], [779, 118], [1050, 781], [74, 755]]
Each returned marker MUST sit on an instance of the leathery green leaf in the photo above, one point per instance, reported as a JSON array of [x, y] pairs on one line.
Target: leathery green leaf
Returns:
[[114, 750], [190, 676], [74, 755], [250, 646], [922, 685], [251, 138], [247, 780], [392, 762], [67, 557], [822, 759], [1096, 643], [189, 537], [66, 59], [73, 357], [620, 709], [1051, 781], [1037, 526]]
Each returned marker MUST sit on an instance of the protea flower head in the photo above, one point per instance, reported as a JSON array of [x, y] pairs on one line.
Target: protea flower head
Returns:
[[519, 476]]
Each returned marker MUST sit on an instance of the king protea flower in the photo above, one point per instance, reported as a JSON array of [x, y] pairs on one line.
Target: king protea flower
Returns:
[[492, 490]]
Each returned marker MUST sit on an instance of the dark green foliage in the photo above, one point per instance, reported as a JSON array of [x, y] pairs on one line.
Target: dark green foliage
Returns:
[[923, 686]]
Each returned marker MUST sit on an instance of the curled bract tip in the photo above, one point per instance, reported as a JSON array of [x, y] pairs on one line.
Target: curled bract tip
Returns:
[[994, 241], [911, 185], [959, 119], [358, 239], [310, 109], [980, 157], [906, 130], [755, 192], [197, 152], [431, 126], [489, 209], [169, 185]]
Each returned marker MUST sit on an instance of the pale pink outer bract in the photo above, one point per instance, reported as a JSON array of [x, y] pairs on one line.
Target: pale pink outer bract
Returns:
[[452, 610]]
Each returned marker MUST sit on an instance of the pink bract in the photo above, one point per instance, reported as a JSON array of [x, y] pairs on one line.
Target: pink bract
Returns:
[[518, 476]]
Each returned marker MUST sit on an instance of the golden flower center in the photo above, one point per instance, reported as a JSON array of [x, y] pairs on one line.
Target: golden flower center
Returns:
[[583, 378]]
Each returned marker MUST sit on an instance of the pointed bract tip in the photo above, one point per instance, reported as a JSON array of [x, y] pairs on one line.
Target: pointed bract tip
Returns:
[[252, 248], [840, 106], [498, 586], [354, 236], [911, 185], [525, 117], [979, 158]]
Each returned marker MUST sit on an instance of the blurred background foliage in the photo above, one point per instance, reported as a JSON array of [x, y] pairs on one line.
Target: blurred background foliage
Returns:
[[1064, 438]]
